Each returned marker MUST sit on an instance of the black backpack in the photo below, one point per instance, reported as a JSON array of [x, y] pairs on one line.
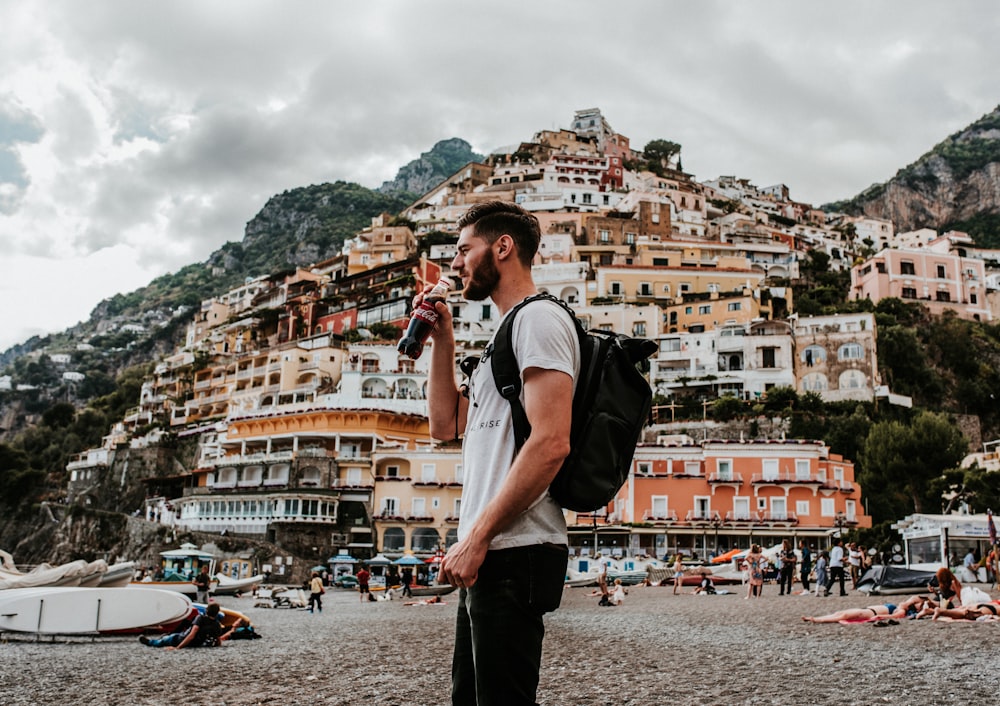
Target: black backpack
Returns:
[[611, 404]]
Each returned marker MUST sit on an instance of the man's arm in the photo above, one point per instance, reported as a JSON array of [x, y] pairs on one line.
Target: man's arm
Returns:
[[530, 475], [446, 406], [187, 638]]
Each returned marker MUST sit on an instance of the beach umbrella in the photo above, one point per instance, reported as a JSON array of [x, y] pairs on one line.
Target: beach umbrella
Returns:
[[319, 567], [408, 560], [379, 560]]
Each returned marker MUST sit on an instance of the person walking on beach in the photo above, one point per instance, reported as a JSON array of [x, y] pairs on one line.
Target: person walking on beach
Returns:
[[836, 567], [805, 565], [202, 582], [786, 576], [363, 576], [407, 579], [510, 559], [316, 592]]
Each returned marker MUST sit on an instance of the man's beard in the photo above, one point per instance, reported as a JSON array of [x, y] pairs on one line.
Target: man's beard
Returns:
[[483, 280]]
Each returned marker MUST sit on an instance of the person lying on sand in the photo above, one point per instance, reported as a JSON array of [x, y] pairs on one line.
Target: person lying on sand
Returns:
[[436, 600], [855, 615], [990, 611]]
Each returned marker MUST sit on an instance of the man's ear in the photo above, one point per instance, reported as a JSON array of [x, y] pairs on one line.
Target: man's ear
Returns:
[[505, 246]]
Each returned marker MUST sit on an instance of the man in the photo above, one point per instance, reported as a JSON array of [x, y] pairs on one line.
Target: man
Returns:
[[202, 583], [805, 566], [363, 577], [854, 558], [836, 567], [510, 560], [206, 631], [786, 572]]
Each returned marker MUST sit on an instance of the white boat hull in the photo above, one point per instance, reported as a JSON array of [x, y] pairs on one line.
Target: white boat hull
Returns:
[[68, 611], [188, 589]]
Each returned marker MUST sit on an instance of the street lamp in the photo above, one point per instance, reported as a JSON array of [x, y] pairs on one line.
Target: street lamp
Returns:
[[840, 520], [716, 523]]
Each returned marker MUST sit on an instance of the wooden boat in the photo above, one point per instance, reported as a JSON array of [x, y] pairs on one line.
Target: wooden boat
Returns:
[[226, 586], [185, 587], [76, 610], [437, 589]]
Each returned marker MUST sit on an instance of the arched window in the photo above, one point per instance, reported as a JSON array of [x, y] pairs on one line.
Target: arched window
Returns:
[[851, 351], [813, 355], [852, 380], [393, 539], [425, 539], [814, 382]]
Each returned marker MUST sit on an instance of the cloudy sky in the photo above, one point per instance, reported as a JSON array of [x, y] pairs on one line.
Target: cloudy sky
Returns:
[[137, 137]]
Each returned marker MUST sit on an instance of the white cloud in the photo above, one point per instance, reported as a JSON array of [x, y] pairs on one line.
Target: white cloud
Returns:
[[160, 129]]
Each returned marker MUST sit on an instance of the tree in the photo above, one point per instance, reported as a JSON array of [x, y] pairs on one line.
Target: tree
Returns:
[[659, 154], [900, 460]]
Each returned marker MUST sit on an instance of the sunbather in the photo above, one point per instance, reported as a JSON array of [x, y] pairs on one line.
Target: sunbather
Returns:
[[855, 615], [970, 612]]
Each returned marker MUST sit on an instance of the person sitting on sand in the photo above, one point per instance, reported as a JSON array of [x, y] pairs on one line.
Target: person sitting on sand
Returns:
[[969, 612], [855, 615], [948, 589], [707, 586]]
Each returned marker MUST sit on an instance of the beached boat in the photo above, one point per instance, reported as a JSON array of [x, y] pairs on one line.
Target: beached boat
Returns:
[[118, 575], [172, 582], [60, 610], [225, 586]]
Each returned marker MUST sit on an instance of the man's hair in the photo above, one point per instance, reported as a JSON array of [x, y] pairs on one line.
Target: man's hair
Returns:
[[212, 609], [491, 219]]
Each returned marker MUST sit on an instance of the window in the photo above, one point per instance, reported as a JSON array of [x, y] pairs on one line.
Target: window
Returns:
[[801, 507], [645, 289], [644, 468], [684, 287], [390, 506], [814, 382], [630, 238], [906, 268], [487, 313], [838, 473], [392, 471], [705, 309], [616, 289], [849, 510], [354, 476], [692, 468], [851, 380], [734, 306], [688, 310], [702, 507], [943, 296], [661, 262], [769, 466], [458, 473], [659, 506], [419, 507], [639, 329], [779, 509], [724, 467], [802, 469], [850, 351], [457, 507], [767, 357], [813, 355], [941, 274], [908, 293], [427, 473], [604, 236], [973, 299], [670, 345], [741, 508]]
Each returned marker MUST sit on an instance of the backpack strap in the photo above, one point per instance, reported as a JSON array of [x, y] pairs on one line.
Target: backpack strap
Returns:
[[507, 372]]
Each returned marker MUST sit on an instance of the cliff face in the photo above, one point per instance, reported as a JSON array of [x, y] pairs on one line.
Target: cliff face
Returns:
[[956, 184], [431, 168]]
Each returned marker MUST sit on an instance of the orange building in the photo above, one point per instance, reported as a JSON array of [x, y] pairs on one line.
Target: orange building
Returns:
[[714, 495]]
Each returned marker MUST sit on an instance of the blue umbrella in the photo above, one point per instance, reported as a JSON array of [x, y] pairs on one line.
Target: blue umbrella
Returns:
[[408, 560]]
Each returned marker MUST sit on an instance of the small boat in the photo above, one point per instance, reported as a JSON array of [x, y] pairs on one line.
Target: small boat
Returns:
[[226, 586], [438, 589], [172, 582], [76, 610], [118, 575]]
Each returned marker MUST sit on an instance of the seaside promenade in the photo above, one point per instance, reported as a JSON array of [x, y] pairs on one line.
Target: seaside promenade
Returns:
[[657, 648]]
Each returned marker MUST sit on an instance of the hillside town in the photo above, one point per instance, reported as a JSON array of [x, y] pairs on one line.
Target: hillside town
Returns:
[[311, 429]]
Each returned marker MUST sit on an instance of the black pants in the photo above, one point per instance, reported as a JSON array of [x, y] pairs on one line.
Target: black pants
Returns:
[[836, 574], [804, 578], [499, 628], [785, 579]]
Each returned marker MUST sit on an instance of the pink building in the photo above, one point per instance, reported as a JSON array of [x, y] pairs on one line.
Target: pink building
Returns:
[[941, 281]]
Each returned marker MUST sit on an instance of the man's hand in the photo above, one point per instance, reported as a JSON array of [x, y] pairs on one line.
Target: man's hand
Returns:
[[460, 566], [444, 313]]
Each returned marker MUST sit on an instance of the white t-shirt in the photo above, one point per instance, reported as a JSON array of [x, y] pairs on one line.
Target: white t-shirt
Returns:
[[837, 556], [543, 337]]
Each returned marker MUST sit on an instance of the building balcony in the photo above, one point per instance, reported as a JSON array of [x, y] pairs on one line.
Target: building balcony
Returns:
[[428, 484], [703, 519], [659, 518], [452, 519], [399, 479], [419, 518], [732, 478], [785, 477], [776, 518], [742, 518]]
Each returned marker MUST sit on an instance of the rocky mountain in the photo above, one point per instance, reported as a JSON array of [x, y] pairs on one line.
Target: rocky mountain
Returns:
[[956, 185], [431, 168]]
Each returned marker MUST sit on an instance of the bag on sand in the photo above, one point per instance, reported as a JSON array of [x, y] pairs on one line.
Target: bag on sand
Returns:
[[611, 404]]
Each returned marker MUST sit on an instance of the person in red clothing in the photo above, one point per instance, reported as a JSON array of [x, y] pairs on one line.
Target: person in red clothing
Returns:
[[363, 577]]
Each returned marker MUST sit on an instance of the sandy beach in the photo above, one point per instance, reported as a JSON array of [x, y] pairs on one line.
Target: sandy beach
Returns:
[[657, 648]]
